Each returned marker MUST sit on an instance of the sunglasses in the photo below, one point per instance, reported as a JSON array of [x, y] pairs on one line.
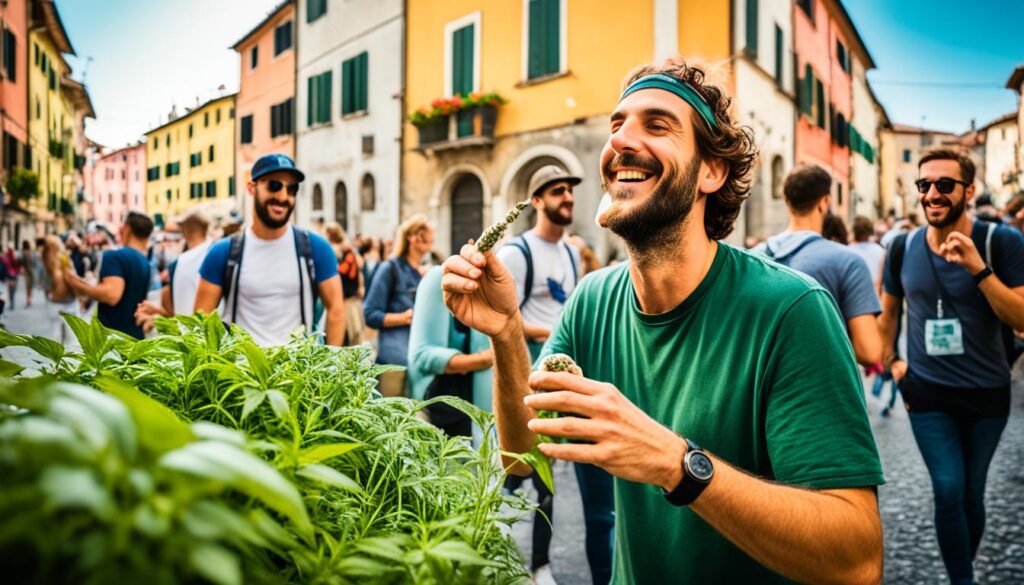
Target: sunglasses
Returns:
[[945, 185], [274, 186]]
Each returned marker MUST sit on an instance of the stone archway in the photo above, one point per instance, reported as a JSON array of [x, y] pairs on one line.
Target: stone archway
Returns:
[[341, 204], [466, 209]]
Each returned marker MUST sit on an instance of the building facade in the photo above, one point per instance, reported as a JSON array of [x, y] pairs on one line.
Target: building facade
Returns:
[[349, 104], [826, 46], [766, 102], [51, 119], [80, 105], [118, 185], [265, 104], [14, 85], [1001, 171], [190, 163], [1016, 83], [550, 60], [865, 165]]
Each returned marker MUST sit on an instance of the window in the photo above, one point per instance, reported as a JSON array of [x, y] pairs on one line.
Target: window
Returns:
[[820, 101], [206, 119], [53, 80], [156, 141], [168, 139], [462, 61], [172, 169], [545, 46], [254, 57], [195, 159], [282, 38], [808, 7], [211, 189], [368, 193], [246, 130], [780, 50], [282, 118], [190, 130], [752, 28], [778, 172], [354, 87], [152, 173], [231, 185], [315, 9], [10, 55], [318, 200], [906, 155], [843, 56], [218, 115], [211, 153], [35, 53], [318, 99]]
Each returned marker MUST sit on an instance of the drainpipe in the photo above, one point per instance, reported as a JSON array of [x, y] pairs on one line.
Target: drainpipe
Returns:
[[404, 108]]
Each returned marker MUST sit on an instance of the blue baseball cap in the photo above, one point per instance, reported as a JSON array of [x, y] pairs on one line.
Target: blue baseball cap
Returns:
[[270, 163]]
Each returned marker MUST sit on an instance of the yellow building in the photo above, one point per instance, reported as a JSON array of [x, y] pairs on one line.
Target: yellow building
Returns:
[[560, 65], [51, 118], [190, 162]]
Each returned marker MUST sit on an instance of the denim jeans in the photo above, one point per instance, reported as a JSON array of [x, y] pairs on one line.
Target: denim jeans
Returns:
[[957, 451], [879, 386], [597, 489]]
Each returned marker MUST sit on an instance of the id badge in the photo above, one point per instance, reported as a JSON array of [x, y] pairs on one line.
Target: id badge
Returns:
[[943, 337]]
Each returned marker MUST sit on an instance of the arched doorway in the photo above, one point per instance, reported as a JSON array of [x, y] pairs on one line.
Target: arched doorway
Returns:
[[341, 204], [368, 193], [318, 203], [467, 210]]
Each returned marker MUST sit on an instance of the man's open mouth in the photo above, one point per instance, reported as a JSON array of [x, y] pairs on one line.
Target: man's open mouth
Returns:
[[632, 176]]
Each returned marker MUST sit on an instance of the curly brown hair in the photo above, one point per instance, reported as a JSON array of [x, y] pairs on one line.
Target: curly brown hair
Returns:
[[728, 142]]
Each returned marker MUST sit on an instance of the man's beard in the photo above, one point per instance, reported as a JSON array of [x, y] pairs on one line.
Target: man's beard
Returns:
[[954, 213], [555, 216], [654, 225], [264, 214]]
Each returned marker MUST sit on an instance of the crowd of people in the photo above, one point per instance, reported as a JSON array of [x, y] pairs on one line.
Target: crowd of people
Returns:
[[751, 354]]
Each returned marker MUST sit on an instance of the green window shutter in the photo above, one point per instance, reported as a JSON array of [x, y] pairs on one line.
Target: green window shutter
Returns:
[[348, 80], [544, 52], [325, 96], [820, 95], [462, 61], [310, 93], [536, 39], [363, 82], [552, 29], [780, 51], [752, 28]]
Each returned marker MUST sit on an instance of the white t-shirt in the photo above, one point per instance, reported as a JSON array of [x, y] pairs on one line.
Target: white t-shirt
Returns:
[[550, 261], [186, 279], [872, 254], [268, 289]]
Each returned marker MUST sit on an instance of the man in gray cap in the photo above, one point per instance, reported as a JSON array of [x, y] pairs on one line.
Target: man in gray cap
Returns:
[[546, 269]]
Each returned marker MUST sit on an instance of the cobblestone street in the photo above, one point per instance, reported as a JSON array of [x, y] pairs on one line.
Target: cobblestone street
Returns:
[[912, 555]]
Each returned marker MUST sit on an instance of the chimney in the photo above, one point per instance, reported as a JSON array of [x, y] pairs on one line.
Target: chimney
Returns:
[[974, 125]]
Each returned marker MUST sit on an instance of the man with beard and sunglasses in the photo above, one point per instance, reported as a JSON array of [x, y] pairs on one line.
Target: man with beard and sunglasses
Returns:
[[270, 273], [692, 345], [546, 270], [963, 283]]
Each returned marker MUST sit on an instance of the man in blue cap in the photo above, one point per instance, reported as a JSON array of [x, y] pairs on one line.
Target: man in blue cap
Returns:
[[251, 270]]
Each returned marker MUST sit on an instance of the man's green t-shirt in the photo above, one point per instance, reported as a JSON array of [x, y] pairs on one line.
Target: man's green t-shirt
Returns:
[[755, 367]]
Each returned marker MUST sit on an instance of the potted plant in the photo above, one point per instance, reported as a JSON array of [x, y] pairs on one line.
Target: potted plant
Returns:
[[432, 121], [483, 107]]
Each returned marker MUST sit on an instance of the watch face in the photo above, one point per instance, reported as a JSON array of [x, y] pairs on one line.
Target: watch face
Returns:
[[700, 467]]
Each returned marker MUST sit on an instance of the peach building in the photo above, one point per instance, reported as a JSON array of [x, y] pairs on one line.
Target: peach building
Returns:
[[265, 104], [119, 185]]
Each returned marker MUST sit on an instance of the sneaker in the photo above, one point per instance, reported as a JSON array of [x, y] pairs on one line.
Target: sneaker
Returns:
[[543, 576]]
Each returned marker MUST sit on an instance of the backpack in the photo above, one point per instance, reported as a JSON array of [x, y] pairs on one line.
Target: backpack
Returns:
[[519, 242], [307, 276], [898, 249]]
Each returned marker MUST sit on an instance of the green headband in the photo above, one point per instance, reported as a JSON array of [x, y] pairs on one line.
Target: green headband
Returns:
[[680, 88]]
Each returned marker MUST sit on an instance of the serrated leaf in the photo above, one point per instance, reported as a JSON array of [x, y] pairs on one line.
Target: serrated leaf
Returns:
[[324, 452], [328, 476]]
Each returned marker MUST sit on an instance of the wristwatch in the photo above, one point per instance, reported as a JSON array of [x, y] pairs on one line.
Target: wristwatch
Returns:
[[697, 473], [985, 273]]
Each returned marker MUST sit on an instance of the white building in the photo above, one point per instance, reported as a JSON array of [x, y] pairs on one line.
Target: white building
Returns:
[[766, 102], [1001, 170], [865, 162], [349, 113]]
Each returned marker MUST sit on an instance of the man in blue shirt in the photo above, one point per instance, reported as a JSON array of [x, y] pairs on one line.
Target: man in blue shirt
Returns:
[[963, 281], [270, 274], [124, 277], [836, 267]]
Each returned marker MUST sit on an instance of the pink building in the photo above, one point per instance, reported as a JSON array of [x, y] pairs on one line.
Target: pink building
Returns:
[[119, 185]]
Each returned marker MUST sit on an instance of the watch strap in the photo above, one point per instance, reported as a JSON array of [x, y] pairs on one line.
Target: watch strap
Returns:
[[689, 487], [985, 273]]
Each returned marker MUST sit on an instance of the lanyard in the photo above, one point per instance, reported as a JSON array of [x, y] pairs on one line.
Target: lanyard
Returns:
[[938, 281]]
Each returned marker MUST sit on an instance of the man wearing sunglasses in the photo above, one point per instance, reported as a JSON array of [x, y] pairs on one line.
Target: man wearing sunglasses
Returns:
[[963, 282], [270, 273], [546, 269]]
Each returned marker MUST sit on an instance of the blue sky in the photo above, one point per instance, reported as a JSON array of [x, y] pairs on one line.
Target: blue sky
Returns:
[[945, 60]]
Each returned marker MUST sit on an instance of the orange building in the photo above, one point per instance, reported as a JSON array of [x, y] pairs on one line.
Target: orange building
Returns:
[[826, 45], [265, 104], [14, 83]]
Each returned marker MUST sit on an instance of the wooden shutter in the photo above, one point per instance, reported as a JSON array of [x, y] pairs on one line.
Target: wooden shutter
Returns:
[[752, 28], [363, 82], [348, 86], [310, 99], [544, 51], [462, 61], [325, 97], [780, 51]]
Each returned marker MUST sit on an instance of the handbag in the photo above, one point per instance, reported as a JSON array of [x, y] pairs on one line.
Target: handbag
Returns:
[[452, 421]]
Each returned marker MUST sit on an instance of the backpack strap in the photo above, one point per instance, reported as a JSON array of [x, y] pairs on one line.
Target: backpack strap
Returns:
[[232, 271], [171, 269], [304, 255], [897, 250], [519, 242], [988, 244], [572, 261]]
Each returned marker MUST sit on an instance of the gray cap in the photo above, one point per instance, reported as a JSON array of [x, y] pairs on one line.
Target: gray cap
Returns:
[[546, 175]]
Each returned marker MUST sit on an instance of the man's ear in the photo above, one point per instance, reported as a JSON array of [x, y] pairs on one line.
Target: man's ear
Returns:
[[824, 204], [713, 173]]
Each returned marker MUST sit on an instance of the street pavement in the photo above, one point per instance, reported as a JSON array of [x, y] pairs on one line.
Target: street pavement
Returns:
[[911, 551]]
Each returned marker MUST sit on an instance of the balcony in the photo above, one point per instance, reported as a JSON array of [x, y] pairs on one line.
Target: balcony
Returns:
[[465, 128]]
